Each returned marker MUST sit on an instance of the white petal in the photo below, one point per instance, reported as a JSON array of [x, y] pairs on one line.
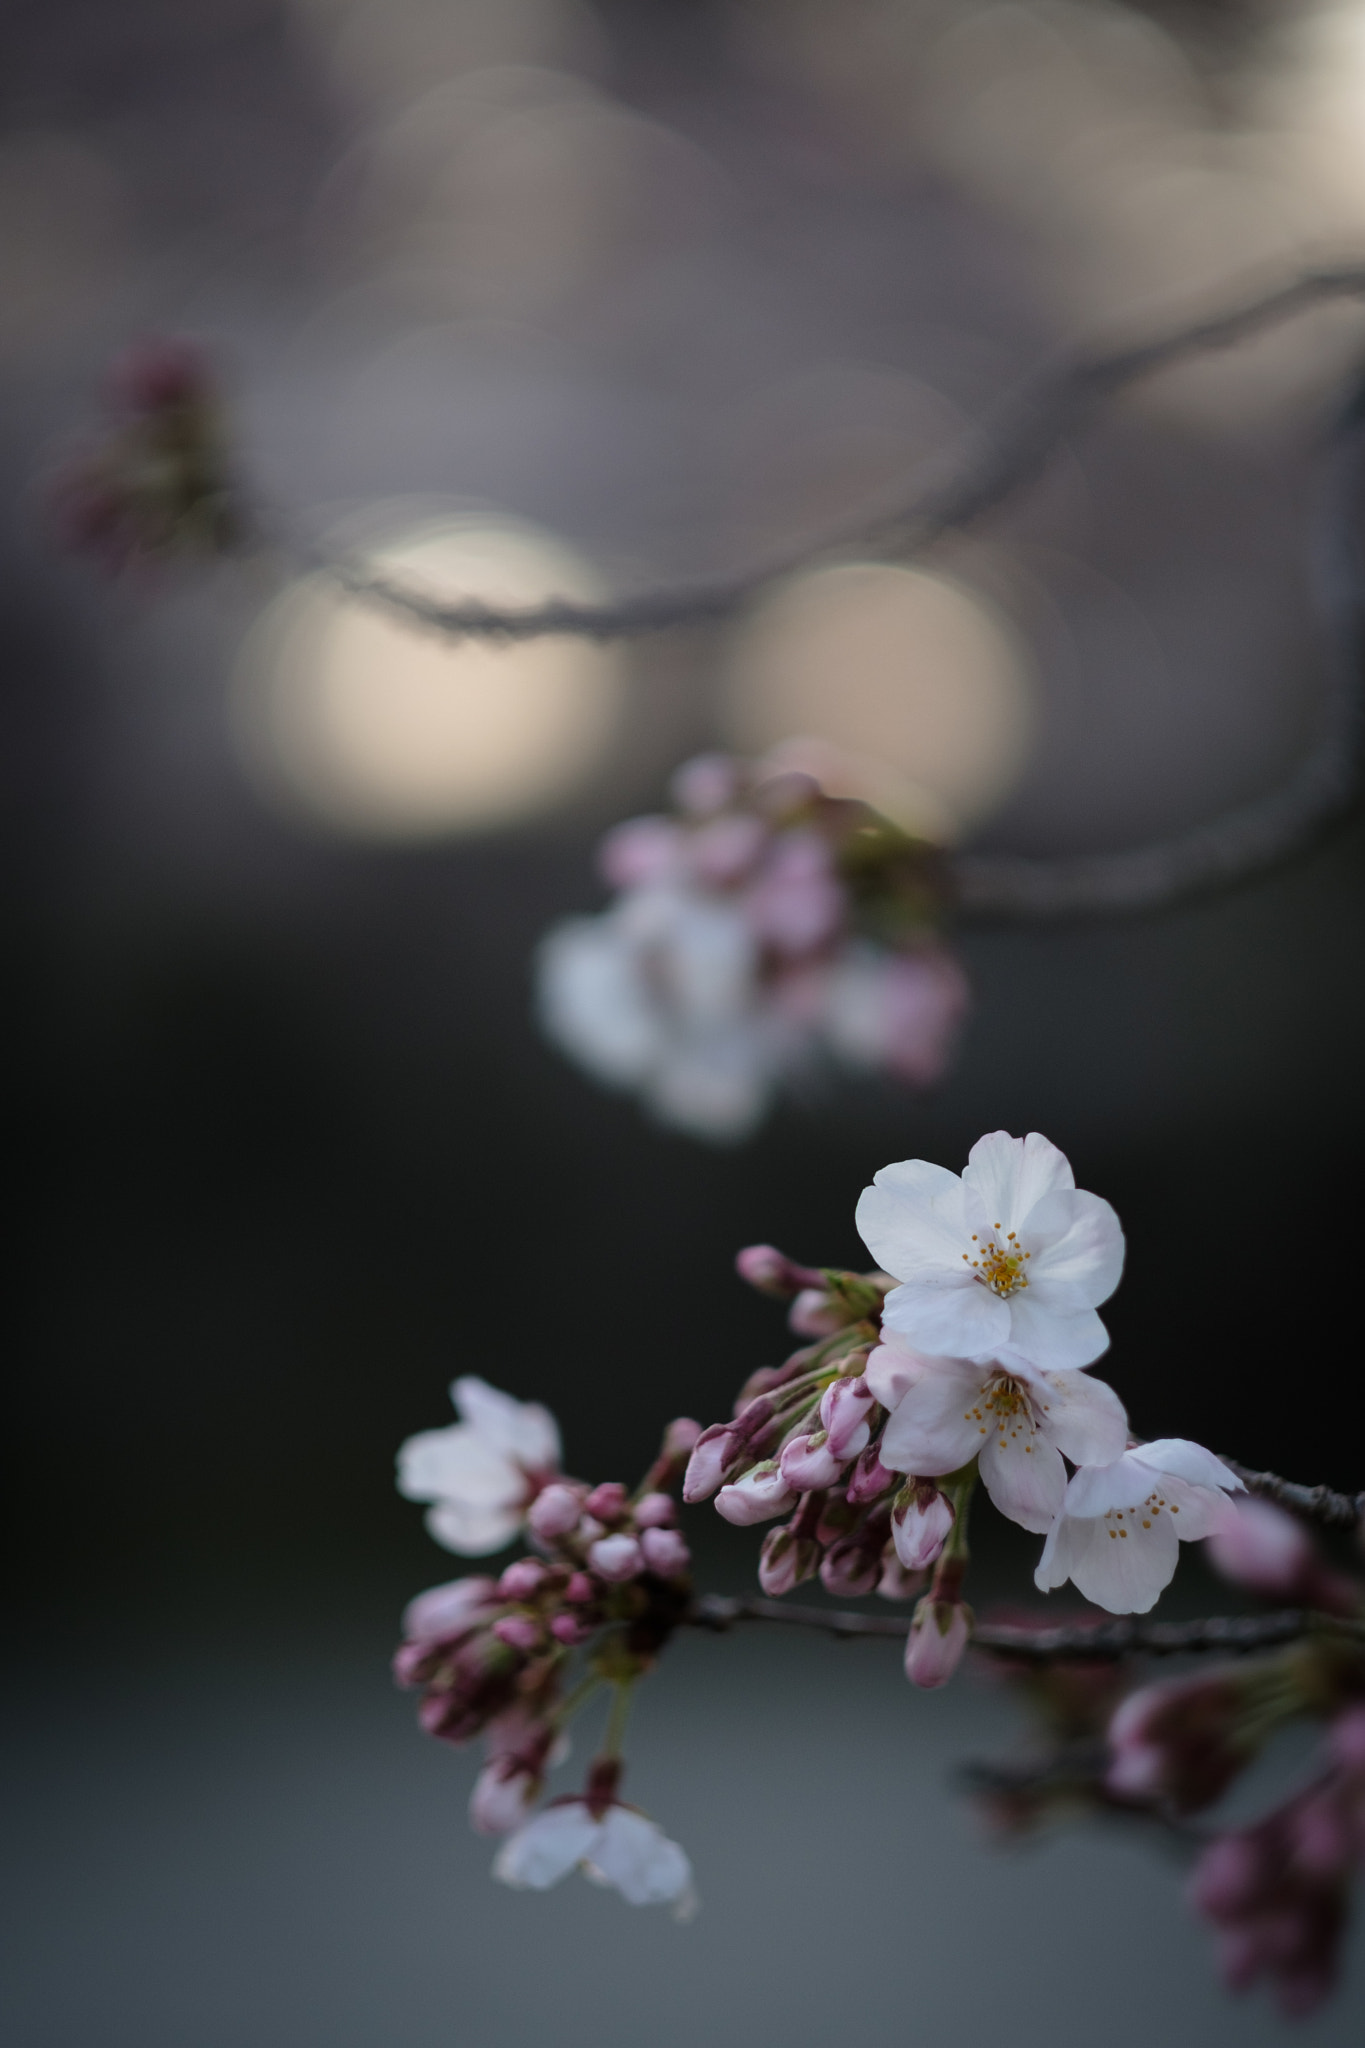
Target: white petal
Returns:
[[521, 1430], [1097, 1488], [715, 1084], [1012, 1174], [1199, 1510], [638, 1858], [1076, 1237], [1084, 1417], [895, 1366], [1053, 1327], [1023, 1473], [548, 1847], [913, 1219], [961, 1319], [456, 1463], [594, 1002], [937, 1427], [470, 1530], [1125, 1573], [1188, 1461]]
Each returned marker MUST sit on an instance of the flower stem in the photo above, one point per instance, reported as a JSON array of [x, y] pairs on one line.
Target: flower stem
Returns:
[[614, 1734]]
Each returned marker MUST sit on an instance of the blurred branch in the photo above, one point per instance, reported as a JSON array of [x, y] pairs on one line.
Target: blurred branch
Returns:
[[1004, 457], [1104, 1640], [1314, 1503]]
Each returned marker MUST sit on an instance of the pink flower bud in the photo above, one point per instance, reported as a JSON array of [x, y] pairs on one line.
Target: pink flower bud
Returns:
[[1184, 1740], [921, 1521], [797, 904], [808, 1463], [655, 1511], [581, 1590], [757, 1497], [565, 1629], [785, 1561], [641, 851], [938, 1636], [554, 1511], [1348, 1739], [706, 784], [846, 1411], [706, 1467], [1262, 1548], [519, 1632], [896, 1583], [616, 1558], [447, 1610], [502, 1797], [870, 1478], [607, 1503], [665, 1552], [763, 1266], [521, 1579], [724, 851], [851, 1568], [814, 1313], [680, 1438]]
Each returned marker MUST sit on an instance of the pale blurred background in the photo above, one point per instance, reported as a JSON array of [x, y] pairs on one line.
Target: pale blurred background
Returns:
[[529, 296]]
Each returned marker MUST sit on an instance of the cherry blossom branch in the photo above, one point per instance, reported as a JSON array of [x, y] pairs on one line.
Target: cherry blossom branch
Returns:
[[1026, 432], [1108, 1640], [1314, 1503]]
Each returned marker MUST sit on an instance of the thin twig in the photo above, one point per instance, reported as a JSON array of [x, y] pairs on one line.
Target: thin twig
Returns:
[[1106, 1641], [1314, 1503], [1002, 458]]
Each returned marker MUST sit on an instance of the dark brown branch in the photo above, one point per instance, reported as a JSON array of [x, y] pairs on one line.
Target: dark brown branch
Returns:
[[1314, 1503], [1126, 1635]]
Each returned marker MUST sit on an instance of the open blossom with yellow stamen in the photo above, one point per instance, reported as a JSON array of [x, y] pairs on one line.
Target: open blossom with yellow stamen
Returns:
[[1019, 1421], [1010, 1258], [1119, 1533]]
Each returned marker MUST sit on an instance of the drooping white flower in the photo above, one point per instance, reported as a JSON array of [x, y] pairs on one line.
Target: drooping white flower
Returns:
[[617, 1847], [1119, 1533], [659, 995], [1011, 1258], [480, 1473], [1017, 1420]]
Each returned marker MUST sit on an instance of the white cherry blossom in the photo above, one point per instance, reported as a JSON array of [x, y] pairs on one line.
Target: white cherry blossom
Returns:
[[1119, 1533], [1010, 1258], [619, 1847], [481, 1472], [1017, 1420]]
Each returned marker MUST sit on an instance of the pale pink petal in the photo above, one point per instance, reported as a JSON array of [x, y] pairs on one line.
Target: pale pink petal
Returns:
[[1199, 1511], [937, 1427], [1012, 1174], [471, 1530], [442, 1610], [1097, 1488], [913, 1219], [637, 1857], [1023, 1473], [456, 1463], [956, 1319], [1126, 1573], [1052, 1327], [893, 1368], [1077, 1238], [1188, 1461], [1084, 1417], [548, 1847], [521, 1430]]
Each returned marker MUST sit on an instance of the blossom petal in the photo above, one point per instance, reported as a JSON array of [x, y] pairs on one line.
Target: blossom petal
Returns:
[[639, 1859], [1077, 1238], [1053, 1327], [893, 1368], [1012, 1174], [1202, 1510], [1188, 1461], [456, 1463], [593, 1000], [1085, 1418], [442, 1610], [1097, 1488], [1023, 1473], [715, 1083], [521, 1430], [471, 1530], [936, 1427], [548, 1847], [913, 1219], [956, 1320], [1124, 1573]]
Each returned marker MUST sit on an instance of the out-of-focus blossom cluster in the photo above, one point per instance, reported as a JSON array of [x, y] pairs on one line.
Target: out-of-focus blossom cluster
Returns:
[[609, 1574], [157, 482], [761, 928], [872, 1437]]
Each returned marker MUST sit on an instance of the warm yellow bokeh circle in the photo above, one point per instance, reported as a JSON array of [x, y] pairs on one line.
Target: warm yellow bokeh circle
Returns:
[[379, 729]]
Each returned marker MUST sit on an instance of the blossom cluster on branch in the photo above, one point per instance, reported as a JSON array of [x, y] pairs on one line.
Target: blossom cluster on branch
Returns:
[[962, 1358], [761, 928]]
